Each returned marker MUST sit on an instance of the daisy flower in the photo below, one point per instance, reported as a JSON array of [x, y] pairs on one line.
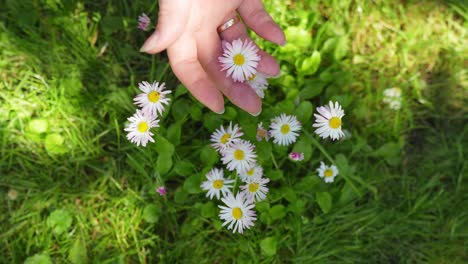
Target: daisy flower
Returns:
[[262, 133], [327, 172], [254, 170], [255, 189], [328, 121], [240, 59], [296, 156], [223, 138], [258, 83], [152, 99], [143, 22], [240, 156], [139, 128], [392, 97], [216, 184], [237, 213], [284, 129]]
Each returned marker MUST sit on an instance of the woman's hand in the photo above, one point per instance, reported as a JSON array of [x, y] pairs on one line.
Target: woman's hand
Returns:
[[188, 30]]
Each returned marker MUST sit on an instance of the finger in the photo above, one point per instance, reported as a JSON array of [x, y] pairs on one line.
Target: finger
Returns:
[[240, 94], [267, 65], [254, 15], [172, 19], [183, 59]]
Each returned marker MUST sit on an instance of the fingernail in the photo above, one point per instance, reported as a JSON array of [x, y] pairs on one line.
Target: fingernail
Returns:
[[151, 41], [221, 112], [257, 114]]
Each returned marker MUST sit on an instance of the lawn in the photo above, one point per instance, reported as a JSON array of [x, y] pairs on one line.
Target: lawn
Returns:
[[74, 189]]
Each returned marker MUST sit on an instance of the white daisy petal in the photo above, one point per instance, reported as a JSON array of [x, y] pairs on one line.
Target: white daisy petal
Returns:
[[284, 129], [216, 184], [240, 59], [237, 213], [329, 121], [255, 189], [139, 128], [258, 83], [327, 172], [240, 156], [153, 98], [223, 137], [253, 171]]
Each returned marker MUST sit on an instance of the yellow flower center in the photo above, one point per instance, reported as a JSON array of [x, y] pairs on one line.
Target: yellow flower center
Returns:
[[328, 173], [153, 96], [143, 126], [250, 172], [253, 187], [261, 132], [252, 77], [237, 213], [224, 139], [239, 154], [239, 59], [285, 129], [335, 122], [218, 184]]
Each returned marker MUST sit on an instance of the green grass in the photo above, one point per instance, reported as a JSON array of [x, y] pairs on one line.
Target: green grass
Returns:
[[69, 72]]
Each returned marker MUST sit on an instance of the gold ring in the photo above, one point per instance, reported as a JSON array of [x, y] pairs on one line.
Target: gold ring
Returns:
[[231, 22]]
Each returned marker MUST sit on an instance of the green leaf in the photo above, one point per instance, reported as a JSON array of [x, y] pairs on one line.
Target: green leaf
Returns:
[[297, 207], [180, 90], [298, 36], [347, 194], [275, 175], [209, 156], [312, 88], [289, 194], [324, 200], [54, 144], [208, 210], [341, 48], [230, 113], [212, 121], [180, 195], [184, 168], [180, 109], [262, 206], [269, 246], [59, 220], [308, 184], [388, 150], [196, 112], [78, 253], [263, 149], [303, 146], [151, 213], [192, 184], [277, 212], [174, 133], [304, 112], [164, 163], [311, 64], [38, 126], [163, 146], [38, 259]]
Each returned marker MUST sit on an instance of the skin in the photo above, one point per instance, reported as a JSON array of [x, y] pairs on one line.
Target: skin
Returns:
[[187, 29]]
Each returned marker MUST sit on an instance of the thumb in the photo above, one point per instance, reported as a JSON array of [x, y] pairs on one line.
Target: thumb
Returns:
[[172, 19]]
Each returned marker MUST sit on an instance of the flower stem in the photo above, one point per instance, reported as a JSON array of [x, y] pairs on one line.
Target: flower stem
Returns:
[[274, 161]]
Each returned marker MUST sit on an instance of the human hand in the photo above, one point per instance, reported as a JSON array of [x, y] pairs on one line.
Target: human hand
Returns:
[[188, 30]]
